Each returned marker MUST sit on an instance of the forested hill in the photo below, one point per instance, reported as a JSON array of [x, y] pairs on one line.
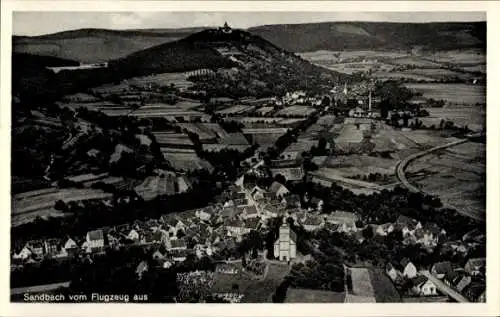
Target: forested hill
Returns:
[[247, 63], [337, 36]]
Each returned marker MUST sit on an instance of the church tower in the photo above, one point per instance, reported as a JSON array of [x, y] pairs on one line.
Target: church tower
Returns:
[[285, 247]]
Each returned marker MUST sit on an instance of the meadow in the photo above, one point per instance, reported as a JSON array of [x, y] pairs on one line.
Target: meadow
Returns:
[[458, 94], [457, 175]]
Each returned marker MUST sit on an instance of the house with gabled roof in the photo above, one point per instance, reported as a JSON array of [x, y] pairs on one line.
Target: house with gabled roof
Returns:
[[408, 269], [476, 291], [393, 273], [141, 269], [440, 269], [206, 213], [52, 246], [291, 201], [407, 225], [37, 247], [237, 227], [133, 235], [422, 286], [177, 244], [257, 193], [312, 223], [95, 240], [252, 223], [317, 203], [476, 266], [271, 211], [474, 235], [278, 189], [179, 255], [158, 255], [429, 235], [24, 254], [384, 229], [229, 213], [241, 202], [250, 212]]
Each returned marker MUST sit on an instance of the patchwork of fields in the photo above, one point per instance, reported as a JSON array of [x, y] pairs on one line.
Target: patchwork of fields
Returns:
[[457, 175], [27, 206], [457, 94]]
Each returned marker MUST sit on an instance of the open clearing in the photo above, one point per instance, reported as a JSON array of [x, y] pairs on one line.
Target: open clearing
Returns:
[[457, 175], [154, 186], [205, 131], [182, 161], [452, 93], [303, 111], [474, 115], [238, 109], [299, 295], [253, 290], [27, 206], [352, 165]]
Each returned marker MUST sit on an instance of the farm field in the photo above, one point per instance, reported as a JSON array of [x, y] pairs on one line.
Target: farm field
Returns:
[[438, 74], [205, 131], [474, 115], [264, 110], [253, 290], [164, 110], [457, 175], [27, 206], [303, 111], [154, 186], [219, 147], [401, 75], [298, 295], [369, 285], [452, 93], [115, 111], [352, 165], [164, 79], [415, 61], [174, 139], [472, 56], [182, 161], [238, 109], [95, 106], [347, 56]]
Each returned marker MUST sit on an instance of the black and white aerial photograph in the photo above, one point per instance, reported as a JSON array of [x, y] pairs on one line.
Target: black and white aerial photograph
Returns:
[[248, 157]]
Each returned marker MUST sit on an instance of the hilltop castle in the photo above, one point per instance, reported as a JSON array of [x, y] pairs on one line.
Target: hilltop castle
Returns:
[[226, 29]]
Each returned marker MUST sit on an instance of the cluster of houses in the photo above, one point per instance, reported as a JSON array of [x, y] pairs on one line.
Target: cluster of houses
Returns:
[[201, 232], [468, 281], [298, 98]]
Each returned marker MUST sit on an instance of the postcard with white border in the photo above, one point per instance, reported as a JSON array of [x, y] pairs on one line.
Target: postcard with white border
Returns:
[[293, 158]]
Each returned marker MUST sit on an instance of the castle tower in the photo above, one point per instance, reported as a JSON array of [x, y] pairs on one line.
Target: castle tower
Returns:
[[226, 29]]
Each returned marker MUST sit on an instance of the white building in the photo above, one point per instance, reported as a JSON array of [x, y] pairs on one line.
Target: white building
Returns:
[[285, 247]]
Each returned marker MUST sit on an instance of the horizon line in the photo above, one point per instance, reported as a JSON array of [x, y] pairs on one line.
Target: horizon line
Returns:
[[256, 26]]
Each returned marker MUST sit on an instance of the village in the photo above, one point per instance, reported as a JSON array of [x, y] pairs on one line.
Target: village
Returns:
[[275, 181], [244, 208]]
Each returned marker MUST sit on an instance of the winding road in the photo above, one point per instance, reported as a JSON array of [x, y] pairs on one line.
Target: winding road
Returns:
[[400, 174]]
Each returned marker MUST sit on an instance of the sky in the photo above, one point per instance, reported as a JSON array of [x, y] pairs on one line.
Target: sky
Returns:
[[38, 23]]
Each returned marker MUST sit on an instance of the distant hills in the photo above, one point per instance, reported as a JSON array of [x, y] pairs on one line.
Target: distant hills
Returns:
[[337, 36], [243, 63], [96, 45], [99, 45]]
